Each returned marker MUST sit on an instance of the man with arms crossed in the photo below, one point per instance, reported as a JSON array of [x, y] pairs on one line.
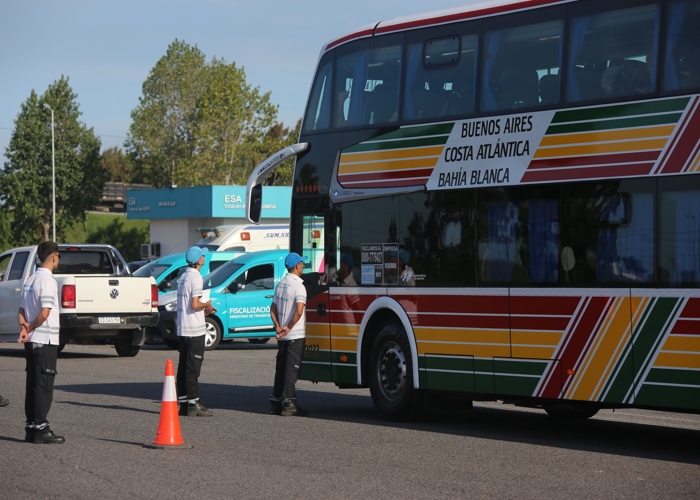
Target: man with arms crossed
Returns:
[[191, 328], [288, 315], [39, 325]]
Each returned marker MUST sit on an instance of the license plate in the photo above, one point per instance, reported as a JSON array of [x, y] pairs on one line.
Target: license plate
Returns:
[[109, 319]]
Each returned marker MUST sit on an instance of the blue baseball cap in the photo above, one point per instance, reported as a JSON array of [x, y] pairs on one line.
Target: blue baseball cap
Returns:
[[293, 259], [195, 253], [347, 258]]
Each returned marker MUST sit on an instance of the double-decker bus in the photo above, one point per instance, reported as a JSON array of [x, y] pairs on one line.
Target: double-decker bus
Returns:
[[518, 187]]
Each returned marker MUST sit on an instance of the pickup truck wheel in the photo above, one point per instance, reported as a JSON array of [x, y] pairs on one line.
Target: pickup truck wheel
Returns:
[[124, 348], [213, 335], [261, 340], [172, 344]]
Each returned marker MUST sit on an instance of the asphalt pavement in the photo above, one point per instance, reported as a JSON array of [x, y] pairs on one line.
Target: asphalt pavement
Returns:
[[107, 407]]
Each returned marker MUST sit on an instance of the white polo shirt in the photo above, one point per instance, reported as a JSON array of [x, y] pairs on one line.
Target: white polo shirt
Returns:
[[41, 291], [190, 323], [289, 291]]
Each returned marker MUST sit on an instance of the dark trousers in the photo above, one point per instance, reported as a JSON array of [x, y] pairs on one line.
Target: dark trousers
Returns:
[[189, 368], [41, 372], [289, 353]]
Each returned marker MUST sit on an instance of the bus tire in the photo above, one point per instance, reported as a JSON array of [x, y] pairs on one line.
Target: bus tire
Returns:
[[571, 413], [391, 375], [213, 335]]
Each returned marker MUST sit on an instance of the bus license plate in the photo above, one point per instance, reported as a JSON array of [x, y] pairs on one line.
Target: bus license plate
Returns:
[[109, 320]]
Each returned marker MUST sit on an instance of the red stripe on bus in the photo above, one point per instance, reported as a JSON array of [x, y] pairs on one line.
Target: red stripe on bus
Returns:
[[347, 38], [588, 173], [577, 344], [472, 304], [539, 323], [544, 305], [459, 321], [406, 182], [399, 174], [608, 159], [685, 144], [686, 327], [460, 16], [691, 309]]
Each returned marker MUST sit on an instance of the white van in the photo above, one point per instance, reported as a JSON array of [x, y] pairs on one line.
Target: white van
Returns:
[[246, 238]]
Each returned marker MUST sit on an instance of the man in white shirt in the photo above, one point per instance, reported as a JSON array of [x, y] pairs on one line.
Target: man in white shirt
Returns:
[[40, 323], [289, 317], [191, 328]]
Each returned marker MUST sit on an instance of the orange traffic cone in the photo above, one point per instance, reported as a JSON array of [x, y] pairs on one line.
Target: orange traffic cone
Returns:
[[168, 435]]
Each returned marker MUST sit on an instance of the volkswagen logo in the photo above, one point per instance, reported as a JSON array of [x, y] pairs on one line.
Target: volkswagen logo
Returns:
[[114, 293]]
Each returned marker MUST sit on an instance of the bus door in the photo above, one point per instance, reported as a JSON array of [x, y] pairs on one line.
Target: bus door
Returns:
[[317, 361]]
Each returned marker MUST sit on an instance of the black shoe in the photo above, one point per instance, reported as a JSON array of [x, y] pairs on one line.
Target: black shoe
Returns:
[[275, 407], [29, 434], [197, 410], [292, 410], [46, 436], [4, 402], [182, 409]]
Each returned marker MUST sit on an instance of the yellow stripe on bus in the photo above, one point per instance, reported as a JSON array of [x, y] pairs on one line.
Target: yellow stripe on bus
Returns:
[[393, 154], [537, 338], [387, 166], [533, 352], [347, 345], [678, 360], [611, 135], [593, 149], [688, 344], [346, 331], [604, 354], [462, 335]]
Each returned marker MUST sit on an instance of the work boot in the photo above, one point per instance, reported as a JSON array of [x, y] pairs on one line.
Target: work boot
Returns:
[[182, 409], [275, 406], [47, 436], [198, 410], [4, 402], [29, 434], [292, 410]]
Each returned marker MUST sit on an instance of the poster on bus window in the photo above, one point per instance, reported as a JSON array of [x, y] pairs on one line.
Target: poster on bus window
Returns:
[[380, 264]]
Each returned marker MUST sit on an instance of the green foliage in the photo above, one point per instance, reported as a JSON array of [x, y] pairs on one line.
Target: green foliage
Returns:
[[199, 122], [26, 181], [121, 233], [116, 166]]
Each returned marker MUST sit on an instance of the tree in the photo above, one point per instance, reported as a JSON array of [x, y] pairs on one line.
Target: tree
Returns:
[[116, 166], [197, 123], [279, 137], [25, 181]]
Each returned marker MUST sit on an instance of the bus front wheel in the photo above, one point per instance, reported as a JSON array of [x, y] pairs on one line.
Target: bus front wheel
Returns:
[[391, 375]]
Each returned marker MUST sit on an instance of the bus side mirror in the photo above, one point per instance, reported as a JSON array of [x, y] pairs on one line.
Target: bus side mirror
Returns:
[[255, 203]]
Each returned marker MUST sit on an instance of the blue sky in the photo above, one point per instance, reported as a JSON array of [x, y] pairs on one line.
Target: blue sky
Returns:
[[107, 48]]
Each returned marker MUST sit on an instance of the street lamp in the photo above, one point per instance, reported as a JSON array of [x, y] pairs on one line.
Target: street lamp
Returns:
[[53, 173]]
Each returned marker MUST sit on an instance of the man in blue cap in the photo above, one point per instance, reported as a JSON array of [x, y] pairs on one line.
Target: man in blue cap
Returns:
[[191, 329], [345, 277], [288, 315]]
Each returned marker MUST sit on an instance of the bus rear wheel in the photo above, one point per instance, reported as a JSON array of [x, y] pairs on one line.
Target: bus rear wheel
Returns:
[[391, 375]]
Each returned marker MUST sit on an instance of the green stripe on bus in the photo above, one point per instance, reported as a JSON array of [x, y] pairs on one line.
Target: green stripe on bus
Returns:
[[317, 356], [686, 398], [515, 386], [667, 376], [438, 140], [631, 109], [448, 381], [465, 363], [502, 365], [316, 373], [646, 339], [641, 121], [344, 374]]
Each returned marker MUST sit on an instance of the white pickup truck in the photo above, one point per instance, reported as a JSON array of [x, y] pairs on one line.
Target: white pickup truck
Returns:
[[100, 301]]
